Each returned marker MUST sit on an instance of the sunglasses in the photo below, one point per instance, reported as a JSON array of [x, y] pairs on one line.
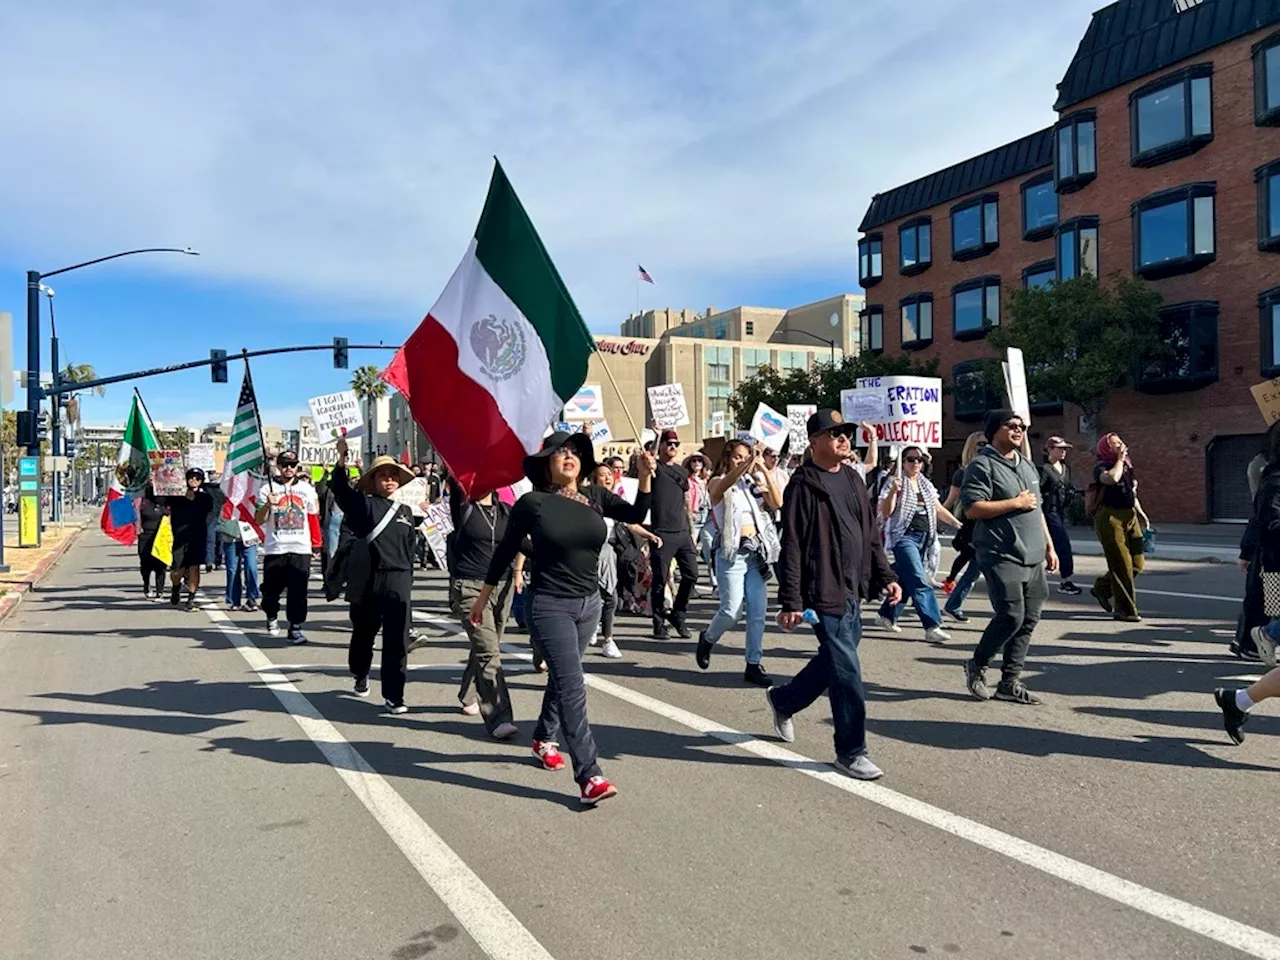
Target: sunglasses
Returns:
[[1015, 427], [913, 460], [840, 433]]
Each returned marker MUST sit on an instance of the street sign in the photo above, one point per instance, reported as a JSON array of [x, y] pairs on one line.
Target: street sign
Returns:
[[28, 466], [28, 501]]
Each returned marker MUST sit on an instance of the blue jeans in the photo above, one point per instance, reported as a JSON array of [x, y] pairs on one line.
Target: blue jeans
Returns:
[[836, 670], [909, 566], [741, 580], [241, 563], [964, 586]]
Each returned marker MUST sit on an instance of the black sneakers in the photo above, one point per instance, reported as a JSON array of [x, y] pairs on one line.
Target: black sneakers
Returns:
[[755, 674], [361, 688], [660, 631], [1015, 691], [174, 594], [975, 678], [703, 654], [1233, 718], [682, 629]]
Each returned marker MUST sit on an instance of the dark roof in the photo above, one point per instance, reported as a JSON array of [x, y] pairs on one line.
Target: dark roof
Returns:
[[995, 166], [1132, 38]]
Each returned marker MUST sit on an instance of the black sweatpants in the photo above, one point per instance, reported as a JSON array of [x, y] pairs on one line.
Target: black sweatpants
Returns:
[[151, 567], [384, 606], [286, 571], [680, 546]]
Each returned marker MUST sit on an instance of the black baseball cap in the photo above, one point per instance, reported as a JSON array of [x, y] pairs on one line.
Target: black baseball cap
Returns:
[[286, 458], [828, 420]]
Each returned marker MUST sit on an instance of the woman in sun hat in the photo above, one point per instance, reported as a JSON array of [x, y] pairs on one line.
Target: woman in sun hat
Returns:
[[567, 529]]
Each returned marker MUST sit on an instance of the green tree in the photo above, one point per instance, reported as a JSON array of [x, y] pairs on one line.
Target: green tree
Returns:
[[1082, 340], [821, 383], [79, 373], [9, 444], [368, 387], [179, 438]]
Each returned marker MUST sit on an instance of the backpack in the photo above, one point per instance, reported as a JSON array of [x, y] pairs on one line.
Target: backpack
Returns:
[[1092, 499]]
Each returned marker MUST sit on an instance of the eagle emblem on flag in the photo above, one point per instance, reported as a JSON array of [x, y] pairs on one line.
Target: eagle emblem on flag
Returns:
[[500, 347]]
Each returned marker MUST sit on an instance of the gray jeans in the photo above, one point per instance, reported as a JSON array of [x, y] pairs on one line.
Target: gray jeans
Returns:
[[482, 680], [562, 628], [1017, 596]]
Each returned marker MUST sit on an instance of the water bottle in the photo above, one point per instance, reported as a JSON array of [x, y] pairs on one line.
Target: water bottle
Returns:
[[809, 617]]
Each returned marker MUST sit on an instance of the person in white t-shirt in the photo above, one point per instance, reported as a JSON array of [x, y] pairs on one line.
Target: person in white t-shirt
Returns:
[[288, 511]]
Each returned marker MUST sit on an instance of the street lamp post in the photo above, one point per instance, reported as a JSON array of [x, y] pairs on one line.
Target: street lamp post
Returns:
[[830, 343]]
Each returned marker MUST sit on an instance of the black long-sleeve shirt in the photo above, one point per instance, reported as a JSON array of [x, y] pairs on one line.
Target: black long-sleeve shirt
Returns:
[[477, 532], [566, 535], [394, 548]]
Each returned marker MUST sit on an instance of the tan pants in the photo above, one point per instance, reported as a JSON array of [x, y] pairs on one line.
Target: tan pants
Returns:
[[483, 681], [1121, 537]]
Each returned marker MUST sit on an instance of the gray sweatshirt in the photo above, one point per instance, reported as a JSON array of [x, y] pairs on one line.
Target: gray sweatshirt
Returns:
[[1015, 537]]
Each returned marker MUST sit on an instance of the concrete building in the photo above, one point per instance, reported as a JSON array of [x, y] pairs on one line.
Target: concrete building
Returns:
[[1164, 163]]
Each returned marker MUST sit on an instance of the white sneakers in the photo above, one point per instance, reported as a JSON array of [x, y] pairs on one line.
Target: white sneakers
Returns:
[[884, 623], [937, 635]]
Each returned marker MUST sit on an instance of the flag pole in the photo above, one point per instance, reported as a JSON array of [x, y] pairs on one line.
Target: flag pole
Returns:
[[257, 419], [155, 434], [604, 365]]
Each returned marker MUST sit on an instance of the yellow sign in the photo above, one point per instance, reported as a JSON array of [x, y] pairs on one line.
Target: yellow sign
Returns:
[[28, 521], [1267, 396], [163, 548]]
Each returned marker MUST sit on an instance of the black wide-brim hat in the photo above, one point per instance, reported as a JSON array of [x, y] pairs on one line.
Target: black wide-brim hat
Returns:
[[535, 464]]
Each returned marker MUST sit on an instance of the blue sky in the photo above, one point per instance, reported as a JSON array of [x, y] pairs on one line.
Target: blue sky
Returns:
[[330, 164]]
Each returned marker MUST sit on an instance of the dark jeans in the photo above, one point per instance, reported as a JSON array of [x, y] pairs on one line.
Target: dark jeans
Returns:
[[678, 545], [385, 606], [291, 572], [608, 606], [1017, 596], [1057, 525], [562, 628], [835, 670], [1251, 614]]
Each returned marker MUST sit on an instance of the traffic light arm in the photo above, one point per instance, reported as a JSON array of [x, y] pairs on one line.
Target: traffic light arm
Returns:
[[65, 388]]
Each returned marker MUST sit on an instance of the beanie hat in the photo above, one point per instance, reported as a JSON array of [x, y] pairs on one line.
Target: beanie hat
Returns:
[[994, 421]]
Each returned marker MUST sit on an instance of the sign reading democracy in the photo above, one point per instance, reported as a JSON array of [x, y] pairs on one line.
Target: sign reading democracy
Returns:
[[326, 454], [668, 406], [913, 410], [336, 415]]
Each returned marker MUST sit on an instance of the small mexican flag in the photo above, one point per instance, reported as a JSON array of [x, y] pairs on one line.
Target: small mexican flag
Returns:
[[500, 353], [132, 474]]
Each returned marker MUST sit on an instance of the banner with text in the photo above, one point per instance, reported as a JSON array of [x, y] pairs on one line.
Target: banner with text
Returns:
[[798, 414], [326, 454], [666, 402], [202, 455], [336, 415], [913, 410]]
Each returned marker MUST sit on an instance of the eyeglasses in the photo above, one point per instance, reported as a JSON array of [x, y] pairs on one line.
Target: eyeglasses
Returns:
[[913, 459], [1015, 427]]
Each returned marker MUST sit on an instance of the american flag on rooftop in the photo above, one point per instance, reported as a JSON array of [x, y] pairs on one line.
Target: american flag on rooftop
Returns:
[[644, 274]]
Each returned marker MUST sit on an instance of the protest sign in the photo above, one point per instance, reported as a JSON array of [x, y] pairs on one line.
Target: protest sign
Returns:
[[1016, 380], [746, 436], [867, 405], [798, 414], [913, 410], [168, 475], [1267, 396], [201, 455], [412, 494], [248, 535], [435, 528], [162, 548], [326, 454], [336, 415], [647, 436], [598, 431], [770, 427], [717, 423], [666, 402], [586, 404]]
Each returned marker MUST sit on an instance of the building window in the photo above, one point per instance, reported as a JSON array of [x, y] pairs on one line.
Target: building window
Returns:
[[1269, 308], [749, 327], [1266, 81], [1267, 177], [975, 229], [871, 259], [917, 321], [971, 394], [871, 329], [789, 360], [1173, 231], [1171, 117], [915, 246], [718, 399], [721, 331], [975, 307], [753, 360], [1039, 207], [1040, 274], [718, 361], [1075, 159], [1189, 332], [1078, 248]]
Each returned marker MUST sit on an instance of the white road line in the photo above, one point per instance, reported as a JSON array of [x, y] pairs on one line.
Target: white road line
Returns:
[[485, 917], [1251, 940], [1192, 596]]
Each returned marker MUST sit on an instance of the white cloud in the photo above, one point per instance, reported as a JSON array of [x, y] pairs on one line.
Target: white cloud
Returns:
[[344, 153]]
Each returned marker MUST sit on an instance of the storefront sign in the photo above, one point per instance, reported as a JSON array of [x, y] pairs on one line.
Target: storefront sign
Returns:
[[627, 349]]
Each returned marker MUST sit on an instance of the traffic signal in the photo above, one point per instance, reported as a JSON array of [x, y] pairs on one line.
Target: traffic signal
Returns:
[[26, 429], [339, 353], [42, 427], [69, 449], [218, 368]]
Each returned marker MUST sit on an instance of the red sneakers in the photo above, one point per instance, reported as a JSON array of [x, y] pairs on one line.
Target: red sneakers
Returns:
[[548, 755], [597, 789]]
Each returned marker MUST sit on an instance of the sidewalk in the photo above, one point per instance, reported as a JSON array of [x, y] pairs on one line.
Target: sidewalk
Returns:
[[1197, 542], [28, 565]]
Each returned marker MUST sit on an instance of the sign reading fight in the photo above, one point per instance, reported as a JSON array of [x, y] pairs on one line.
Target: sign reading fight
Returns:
[[336, 415], [913, 410]]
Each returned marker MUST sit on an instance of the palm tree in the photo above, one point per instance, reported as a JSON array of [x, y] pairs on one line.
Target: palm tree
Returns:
[[368, 386], [79, 373]]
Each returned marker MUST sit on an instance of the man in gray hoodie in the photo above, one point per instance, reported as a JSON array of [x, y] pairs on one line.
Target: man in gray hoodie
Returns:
[[1001, 494]]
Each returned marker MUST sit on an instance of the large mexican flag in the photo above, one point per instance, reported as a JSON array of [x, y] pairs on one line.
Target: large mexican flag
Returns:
[[132, 474], [500, 353]]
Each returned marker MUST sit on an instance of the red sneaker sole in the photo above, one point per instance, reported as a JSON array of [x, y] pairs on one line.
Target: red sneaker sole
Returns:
[[592, 801]]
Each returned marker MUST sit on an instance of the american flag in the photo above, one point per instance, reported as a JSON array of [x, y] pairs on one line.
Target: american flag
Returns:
[[644, 274], [246, 456]]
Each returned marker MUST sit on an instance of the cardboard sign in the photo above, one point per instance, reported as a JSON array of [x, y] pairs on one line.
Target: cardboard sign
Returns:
[[435, 528], [336, 415], [162, 548], [1267, 396], [913, 410], [586, 404], [857, 406], [667, 405], [717, 423], [770, 427], [1016, 378], [326, 454], [168, 475], [798, 414], [598, 431], [201, 455], [412, 494]]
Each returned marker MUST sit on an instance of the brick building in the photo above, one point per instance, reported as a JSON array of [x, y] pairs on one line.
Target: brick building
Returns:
[[1164, 162]]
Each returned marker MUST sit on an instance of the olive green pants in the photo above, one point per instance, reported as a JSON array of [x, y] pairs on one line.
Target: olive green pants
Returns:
[[1121, 538]]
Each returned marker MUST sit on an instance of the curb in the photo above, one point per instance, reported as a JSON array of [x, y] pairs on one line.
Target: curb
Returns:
[[9, 602]]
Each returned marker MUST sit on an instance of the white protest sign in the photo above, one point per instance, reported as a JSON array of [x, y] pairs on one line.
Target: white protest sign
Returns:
[[598, 431], [326, 454], [717, 423], [336, 415], [913, 412], [666, 402], [435, 528], [586, 404], [798, 414], [770, 427], [201, 455], [412, 495], [1016, 380], [647, 436], [857, 406], [747, 437]]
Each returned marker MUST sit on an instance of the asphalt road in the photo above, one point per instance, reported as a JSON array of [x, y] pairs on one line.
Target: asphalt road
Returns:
[[181, 785]]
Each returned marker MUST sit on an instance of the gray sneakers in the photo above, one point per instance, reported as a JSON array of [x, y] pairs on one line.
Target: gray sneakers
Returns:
[[859, 767], [1266, 646], [975, 678], [782, 725], [1015, 691]]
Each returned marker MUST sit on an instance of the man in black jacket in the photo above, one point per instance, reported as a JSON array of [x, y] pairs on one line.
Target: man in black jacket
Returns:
[[832, 558]]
